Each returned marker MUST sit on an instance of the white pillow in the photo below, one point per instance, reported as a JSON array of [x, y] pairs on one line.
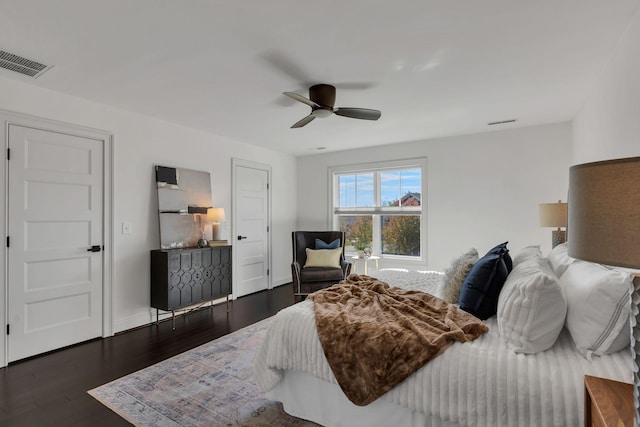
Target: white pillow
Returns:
[[531, 307], [454, 275], [599, 305], [323, 258], [560, 259], [527, 253]]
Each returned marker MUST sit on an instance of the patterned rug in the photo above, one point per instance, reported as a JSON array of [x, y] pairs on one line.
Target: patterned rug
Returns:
[[211, 385]]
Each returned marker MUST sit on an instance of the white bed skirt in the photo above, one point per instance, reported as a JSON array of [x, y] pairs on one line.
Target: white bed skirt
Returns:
[[307, 397]]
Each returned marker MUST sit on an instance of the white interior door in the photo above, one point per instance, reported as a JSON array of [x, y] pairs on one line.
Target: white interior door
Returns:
[[55, 215], [251, 219]]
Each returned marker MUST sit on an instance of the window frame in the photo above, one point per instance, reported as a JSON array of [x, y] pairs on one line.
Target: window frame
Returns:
[[378, 211]]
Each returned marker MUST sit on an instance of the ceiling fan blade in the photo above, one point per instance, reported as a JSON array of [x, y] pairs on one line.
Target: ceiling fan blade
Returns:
[[358, 113], [301, 98], [304, 121], [287, 66], [354, 85]]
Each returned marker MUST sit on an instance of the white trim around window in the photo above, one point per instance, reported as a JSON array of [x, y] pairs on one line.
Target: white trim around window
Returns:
[[377, 208]]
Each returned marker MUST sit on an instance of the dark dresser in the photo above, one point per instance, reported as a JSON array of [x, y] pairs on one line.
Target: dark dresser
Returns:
[[182, 278]]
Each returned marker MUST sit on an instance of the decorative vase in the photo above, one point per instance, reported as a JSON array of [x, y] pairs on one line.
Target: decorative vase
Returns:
[[361, 254]]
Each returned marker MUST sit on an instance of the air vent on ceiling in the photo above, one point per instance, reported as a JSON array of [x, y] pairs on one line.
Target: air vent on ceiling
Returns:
[[28, 67], [501, 122]]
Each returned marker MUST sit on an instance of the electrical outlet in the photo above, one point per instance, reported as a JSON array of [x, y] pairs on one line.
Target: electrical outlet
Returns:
[[126, 228]]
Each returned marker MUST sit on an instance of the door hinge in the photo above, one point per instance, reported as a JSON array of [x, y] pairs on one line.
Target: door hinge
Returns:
[[267, 185], [267, 228], [7, 241], [267, 271], [8, 153], [8, 329]]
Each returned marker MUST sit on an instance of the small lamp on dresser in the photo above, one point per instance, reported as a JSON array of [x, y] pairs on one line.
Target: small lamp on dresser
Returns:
[[604, 224], [554, 215]]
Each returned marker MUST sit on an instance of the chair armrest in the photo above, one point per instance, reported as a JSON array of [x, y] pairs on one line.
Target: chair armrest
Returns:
[[346, 268]]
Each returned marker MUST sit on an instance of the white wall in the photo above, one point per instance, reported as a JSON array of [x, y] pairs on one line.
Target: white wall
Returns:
[[482, 190], [139, 143], [608, 126]]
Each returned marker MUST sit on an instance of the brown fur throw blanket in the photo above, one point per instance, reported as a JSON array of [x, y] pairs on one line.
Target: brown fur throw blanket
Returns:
[[375, 336]]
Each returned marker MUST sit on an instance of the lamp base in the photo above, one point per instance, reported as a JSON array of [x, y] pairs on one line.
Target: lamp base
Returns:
[[558, 237], [215, 231]]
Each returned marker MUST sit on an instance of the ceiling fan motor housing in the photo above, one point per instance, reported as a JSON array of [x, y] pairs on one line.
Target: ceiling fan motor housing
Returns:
[[322, 94]]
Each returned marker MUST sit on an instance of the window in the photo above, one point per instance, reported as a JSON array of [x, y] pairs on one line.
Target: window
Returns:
[[380, 206]]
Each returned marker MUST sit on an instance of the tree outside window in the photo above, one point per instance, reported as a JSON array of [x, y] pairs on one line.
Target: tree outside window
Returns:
[[358, 231], [401, 235]]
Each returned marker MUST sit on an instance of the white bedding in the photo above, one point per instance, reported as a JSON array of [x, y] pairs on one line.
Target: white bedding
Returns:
[[480, 383]]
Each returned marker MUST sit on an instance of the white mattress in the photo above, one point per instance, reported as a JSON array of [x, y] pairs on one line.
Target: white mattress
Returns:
[[480, 383]]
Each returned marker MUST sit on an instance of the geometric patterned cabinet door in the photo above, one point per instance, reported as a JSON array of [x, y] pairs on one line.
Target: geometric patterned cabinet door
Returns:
[[185, 277]]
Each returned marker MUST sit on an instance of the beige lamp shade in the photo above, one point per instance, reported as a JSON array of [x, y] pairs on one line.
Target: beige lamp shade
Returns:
[[553, 214], [215, 215], [604, 212], [604, 224]]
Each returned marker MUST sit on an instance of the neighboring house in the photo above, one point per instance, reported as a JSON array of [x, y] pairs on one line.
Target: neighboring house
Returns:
[[410, 199]]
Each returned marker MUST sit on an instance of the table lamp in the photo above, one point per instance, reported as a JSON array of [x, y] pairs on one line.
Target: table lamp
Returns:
[[215, 216], [604, 224], [554, 215]]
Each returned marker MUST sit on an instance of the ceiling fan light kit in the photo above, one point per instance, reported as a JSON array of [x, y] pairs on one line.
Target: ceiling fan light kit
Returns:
[[322, 98], [321, 113]]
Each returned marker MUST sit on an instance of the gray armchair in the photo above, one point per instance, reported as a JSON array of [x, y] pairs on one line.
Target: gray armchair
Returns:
[[310, 279]]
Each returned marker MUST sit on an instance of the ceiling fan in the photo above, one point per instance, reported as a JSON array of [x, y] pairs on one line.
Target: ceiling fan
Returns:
[[321, 99]]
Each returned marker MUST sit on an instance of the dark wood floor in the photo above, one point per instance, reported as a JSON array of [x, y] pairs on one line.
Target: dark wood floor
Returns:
[[51, 390]]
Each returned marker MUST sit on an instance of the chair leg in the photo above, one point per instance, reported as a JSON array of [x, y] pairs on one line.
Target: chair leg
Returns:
[[298, 292]]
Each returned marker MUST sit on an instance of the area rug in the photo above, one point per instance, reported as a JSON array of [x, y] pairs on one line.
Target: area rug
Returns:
[[211, 385]]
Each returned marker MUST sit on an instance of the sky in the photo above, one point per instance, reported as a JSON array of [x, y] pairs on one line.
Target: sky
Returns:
[[357, 190]]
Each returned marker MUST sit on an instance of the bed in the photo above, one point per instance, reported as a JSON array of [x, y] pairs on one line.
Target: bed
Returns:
[[480, 383]]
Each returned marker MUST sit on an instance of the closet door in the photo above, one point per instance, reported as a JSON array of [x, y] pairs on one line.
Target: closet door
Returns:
[[251, 216], [55, 257]]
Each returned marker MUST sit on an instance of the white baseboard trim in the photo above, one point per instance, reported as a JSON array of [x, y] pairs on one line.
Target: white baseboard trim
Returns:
[[280, 281], [149, 316], [135, 321]]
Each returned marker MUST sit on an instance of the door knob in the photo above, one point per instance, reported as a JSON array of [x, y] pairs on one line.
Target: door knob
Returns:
[[242, 237], [94, 248]]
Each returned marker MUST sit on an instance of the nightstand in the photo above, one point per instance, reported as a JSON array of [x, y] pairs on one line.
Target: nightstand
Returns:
[[607, 403]]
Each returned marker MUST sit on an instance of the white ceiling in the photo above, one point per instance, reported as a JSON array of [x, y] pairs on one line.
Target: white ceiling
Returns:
[[433, 67]]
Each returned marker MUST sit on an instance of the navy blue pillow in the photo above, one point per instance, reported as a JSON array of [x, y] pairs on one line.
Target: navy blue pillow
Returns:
[[481, 288], [320, 244], [499, 249]]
